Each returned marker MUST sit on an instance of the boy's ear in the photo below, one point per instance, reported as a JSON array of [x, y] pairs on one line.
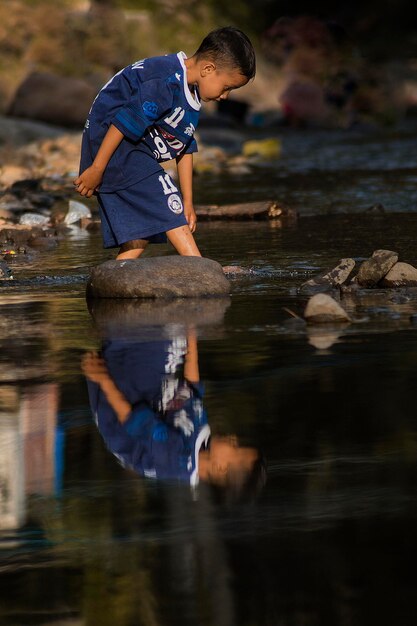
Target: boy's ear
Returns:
[[207, 67]]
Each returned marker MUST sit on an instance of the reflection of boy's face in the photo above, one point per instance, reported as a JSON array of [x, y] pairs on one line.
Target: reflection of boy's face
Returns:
[[226, 457]]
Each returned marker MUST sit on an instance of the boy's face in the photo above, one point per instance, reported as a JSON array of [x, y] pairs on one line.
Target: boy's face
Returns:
[[216, 84]]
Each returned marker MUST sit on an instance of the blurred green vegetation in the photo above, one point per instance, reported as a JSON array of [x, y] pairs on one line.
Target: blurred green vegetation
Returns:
[[93, 40]]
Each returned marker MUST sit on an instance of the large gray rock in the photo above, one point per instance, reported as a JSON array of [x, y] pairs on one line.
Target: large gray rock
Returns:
[[158, 277], [401, 275], [321, 308], [333, 278], [376, 267], [54, 99]]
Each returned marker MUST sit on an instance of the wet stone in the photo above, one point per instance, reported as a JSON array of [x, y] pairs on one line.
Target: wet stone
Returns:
[[44, 243], [158, 277], [236, 270], [401, 275], [376, 267], [321, 308], [376, 209], [329, 280], [33, 219], [5, 271]]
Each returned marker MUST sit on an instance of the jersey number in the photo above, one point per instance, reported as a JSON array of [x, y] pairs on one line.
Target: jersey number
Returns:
[[167, 184], [176, 117]]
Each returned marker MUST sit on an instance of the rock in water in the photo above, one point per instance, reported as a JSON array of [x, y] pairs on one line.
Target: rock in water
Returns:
[[158, 277], [322, 308], [236, 270], [5, 271], [401, 275], [334, 278], [76, 211], [375, 268]]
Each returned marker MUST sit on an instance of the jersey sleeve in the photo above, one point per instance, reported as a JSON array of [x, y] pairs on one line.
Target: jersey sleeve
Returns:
[[149, 101], [191, 147]]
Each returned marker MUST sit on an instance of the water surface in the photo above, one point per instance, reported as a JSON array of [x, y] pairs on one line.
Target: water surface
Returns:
[[330, 539]]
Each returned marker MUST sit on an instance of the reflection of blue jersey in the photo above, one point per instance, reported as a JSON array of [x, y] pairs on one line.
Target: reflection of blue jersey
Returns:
[[151, 104], [168, 424]]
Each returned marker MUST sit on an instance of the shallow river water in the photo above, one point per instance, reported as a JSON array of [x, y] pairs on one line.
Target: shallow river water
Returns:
[[331, 536]]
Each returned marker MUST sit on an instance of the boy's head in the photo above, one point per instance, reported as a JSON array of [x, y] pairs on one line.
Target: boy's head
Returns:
[[240, 470], [226, 61]]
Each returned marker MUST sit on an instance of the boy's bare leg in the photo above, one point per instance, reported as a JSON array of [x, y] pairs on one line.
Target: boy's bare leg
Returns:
[[183, 241], [132, 249]]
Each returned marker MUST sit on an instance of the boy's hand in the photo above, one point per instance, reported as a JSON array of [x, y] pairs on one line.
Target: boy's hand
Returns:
[[88, 181], [94, 367], [190, 216]]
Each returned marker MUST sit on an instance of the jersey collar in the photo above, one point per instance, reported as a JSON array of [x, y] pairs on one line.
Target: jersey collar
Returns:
[[193, 100], [203, 437]]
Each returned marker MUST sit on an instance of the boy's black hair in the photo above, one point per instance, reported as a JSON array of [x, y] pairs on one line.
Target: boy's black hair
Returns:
[[229, 46], [242, 490]]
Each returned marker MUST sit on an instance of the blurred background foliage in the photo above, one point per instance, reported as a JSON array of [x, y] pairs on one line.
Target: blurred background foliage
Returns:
[[93, 39]]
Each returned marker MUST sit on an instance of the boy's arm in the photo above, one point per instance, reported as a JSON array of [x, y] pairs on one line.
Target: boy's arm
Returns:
[[191, 370], [95, 369], [89, 180], [185, 175]]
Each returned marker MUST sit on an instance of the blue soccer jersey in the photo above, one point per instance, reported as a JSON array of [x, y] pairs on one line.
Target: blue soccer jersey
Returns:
[[150, 102]]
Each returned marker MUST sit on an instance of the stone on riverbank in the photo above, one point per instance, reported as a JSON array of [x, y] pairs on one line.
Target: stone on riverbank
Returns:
[[327, 280], [376, 267], [321, 308], [401, 275], [158, 277], [53, 99], [266, 149], [5, 271]]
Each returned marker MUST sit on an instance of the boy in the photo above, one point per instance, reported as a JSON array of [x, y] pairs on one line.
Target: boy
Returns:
[[147, 114], [151, 416]]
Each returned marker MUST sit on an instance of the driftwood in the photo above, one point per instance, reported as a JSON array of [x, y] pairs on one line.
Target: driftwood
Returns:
[[265, 210]]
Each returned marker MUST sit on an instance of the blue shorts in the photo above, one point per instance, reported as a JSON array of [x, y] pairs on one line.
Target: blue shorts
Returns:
[[146, 210]]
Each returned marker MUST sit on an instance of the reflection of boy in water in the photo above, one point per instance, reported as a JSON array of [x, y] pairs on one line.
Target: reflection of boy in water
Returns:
[[153, 420]]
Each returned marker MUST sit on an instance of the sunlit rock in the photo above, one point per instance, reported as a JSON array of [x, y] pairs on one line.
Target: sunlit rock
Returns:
[[33, 219], [76, 211], [322, 308], [376, 267], [401, 275], [327, 280], [266, 149], [158, 277]]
